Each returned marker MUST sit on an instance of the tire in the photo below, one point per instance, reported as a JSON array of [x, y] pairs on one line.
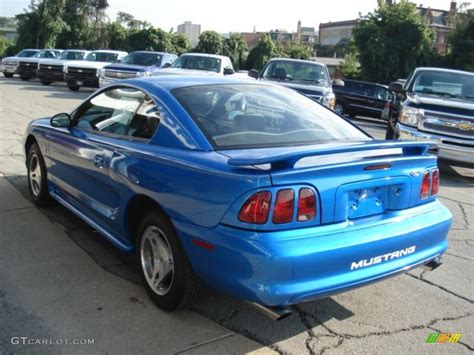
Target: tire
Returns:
[[8, 75], [340, 109], [24, 78], [73, 87], [46, 83], [179, 286], [37, 177]]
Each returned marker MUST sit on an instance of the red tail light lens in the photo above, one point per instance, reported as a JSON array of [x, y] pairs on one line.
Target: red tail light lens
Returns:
[[283, 212], [425, 186], [434, 182], [388, 105], [306, 205], [256, 208]]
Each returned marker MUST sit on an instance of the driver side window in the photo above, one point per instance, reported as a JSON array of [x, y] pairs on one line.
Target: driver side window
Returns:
[[109, 112]]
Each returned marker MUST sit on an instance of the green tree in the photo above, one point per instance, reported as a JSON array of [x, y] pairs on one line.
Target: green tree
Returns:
[[462, 43], [350, 68], [392, 41], [78, 32], [298, 51], [117, 36], [4, 45], [262, 53], [180, 43], [210, 42], [236, 49], [150, 39]]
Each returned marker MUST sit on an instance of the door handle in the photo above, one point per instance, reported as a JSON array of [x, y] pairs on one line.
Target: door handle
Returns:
[[99, 161]]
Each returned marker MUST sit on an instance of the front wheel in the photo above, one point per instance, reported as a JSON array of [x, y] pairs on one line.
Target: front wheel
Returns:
[[24, 78], [37, 177], [165, 270], [8, 75], [340, 109], [46, 83], [74, 87]]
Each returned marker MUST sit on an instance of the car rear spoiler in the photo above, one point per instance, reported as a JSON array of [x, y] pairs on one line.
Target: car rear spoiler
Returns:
[[289, 158]]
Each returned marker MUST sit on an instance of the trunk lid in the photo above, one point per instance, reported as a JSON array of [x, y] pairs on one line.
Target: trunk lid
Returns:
[[353, 180]]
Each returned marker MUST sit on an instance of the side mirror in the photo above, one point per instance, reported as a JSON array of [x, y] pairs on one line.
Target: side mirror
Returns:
[[166, 65], [396, 87], [228, 71], [338, 82], [61, 120], [253, 73]]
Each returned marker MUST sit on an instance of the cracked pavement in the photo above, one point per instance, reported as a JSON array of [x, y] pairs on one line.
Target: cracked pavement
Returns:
[[393, 316]]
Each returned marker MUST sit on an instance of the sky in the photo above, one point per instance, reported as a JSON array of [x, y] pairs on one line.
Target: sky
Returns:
[[236, 15]]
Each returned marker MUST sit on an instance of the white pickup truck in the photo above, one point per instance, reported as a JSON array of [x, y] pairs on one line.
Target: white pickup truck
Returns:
[[9, 65], [87, 72], [200, 63]]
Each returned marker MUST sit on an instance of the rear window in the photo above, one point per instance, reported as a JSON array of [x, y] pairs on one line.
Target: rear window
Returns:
[[246, 116], [102, 57]]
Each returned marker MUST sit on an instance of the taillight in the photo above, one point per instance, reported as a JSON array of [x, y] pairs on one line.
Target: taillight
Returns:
[[256, 208], [283, 211], [388, 105], [306, 205], [434, 182], [425, 186]]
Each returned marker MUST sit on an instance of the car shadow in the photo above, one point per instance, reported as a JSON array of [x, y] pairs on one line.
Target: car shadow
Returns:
[[231, 313], [55, 90]]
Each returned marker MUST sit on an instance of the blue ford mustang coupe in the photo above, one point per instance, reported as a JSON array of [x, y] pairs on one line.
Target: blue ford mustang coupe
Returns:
[[250, 187]]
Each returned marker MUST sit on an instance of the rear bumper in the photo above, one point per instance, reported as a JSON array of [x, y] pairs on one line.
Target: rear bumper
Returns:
[[452, 149], [288, 267]]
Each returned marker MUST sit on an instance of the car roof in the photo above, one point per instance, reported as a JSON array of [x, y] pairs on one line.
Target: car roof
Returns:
[[443, 70], [151, 52], [205, 55], [108, 51], [295, 61], [170, 82]]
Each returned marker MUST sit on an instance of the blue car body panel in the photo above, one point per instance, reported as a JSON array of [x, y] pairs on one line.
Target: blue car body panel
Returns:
[[202, 190]]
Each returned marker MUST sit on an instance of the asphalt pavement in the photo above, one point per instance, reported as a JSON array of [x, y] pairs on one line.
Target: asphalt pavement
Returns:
[[60, 280]]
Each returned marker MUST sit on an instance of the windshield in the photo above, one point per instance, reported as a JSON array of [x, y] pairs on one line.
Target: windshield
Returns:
[[26, 53], [245, 116], [72, 55], [303, 72], [446, 84], [102, 57], [198, 63], [144, 59], [46, 54]]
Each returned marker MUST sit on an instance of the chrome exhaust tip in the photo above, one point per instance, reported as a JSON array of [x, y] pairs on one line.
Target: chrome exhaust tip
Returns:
[[433, 264], [274, 313]]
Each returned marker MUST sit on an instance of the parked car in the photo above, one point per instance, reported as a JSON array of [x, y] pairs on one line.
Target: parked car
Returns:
[[10, 64], [136, 64], [200, 63], [309, 78], [248, 186], [361, 98], [438, 105], [87, 72], [51, 70], [27, 66]]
